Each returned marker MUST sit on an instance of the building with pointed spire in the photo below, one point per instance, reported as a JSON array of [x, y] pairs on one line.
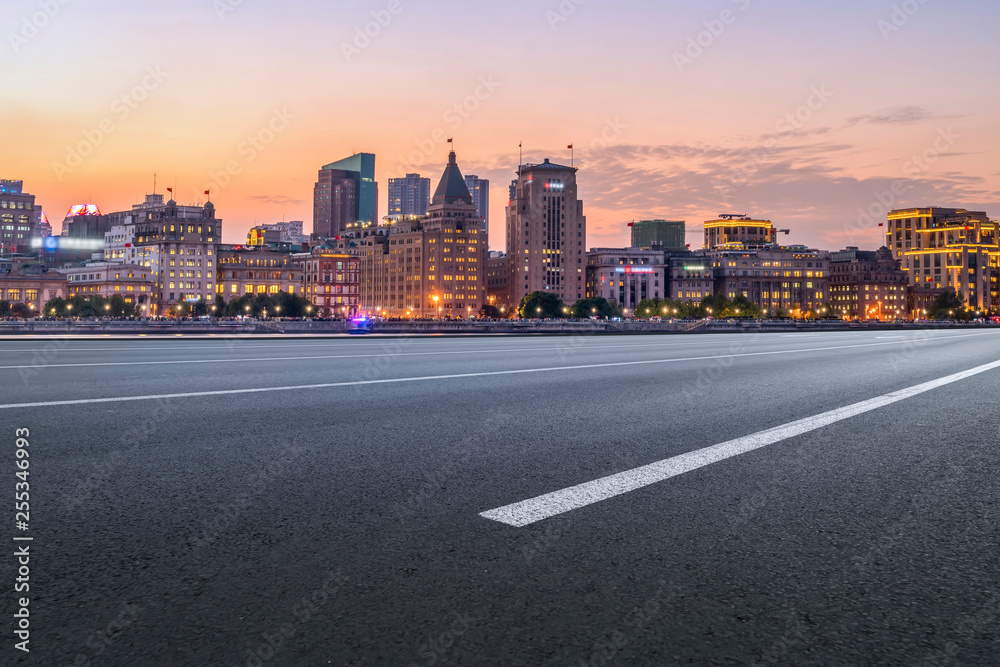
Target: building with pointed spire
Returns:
[[427, 267]]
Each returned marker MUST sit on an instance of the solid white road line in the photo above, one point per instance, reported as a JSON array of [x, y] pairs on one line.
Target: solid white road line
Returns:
[[428, 378], [559, 502], [41, 364]]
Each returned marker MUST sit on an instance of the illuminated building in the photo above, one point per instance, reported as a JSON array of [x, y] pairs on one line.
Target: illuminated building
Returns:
[[432, 266], [546, 233], [42, 228], [243, 270], [331, 280], [118, 242], [345, 196], [84, 221], [479, 188], [691, 278], [497, 274], [626, 276], [793, 279], [739, 229], [178, 244], [17, 217], [289, 233], [30, 284], [671, 235], [943, 248], [135, 284], [868, 285], [409, 195]]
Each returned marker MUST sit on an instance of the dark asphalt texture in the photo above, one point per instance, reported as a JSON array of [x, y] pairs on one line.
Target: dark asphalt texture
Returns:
[[340, 525]]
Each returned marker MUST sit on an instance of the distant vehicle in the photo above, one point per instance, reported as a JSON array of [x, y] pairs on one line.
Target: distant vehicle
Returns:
[[360, 325]]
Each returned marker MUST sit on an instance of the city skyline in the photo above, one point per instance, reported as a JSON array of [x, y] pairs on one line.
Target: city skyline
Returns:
[[699, 121]]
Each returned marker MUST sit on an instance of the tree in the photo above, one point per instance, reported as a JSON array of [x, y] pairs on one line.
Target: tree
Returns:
[[649, 308], [55, 307], [949, 305], [120, 308], [22, 310], [595, 307], [220, 305], [544, 305], [490, 312], [4, 308]]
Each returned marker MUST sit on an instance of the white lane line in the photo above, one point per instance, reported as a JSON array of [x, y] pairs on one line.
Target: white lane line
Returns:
[[546, 506], [428, 378], [585, 348]]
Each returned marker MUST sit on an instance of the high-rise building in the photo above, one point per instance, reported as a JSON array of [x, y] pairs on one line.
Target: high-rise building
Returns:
[[432, 266], [669, 234], [409, 195], [479, 188], [345, 196], [546, 233], [739, 229], [17, 217], [948, 247]]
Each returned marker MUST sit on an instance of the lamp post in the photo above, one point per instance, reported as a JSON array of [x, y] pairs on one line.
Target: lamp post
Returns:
[[437, 309]]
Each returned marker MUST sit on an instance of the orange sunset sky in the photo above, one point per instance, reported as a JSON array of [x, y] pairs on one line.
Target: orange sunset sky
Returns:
[[803, 113]]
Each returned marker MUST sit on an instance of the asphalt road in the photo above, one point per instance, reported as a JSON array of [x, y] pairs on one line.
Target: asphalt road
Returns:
[[337, 518]]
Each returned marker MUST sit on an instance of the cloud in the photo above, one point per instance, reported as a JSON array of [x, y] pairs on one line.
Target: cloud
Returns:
[[277, 200], [894, 116]]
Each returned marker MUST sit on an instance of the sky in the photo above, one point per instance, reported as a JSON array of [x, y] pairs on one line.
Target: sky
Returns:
[[817, 116]]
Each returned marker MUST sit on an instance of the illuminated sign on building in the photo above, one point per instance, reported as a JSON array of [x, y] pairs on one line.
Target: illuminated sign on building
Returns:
[[64, 243], [635, 269], [83, 209]]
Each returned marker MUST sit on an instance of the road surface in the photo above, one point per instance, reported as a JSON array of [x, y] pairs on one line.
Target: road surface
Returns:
[[826, 498]]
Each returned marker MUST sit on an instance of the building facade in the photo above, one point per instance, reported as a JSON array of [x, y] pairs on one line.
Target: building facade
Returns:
[[497, 289], [671, 235], [17, 217], [691, 278], [331, 280], [479, 188], [409, 196], [433, 266], [868, 285], [790, 279], [345, 196], [289, 233], [178, 245], [32, 289], [626, 276], [739, 229], [244, 270], [136, 285], [546, 234], [943, 248]]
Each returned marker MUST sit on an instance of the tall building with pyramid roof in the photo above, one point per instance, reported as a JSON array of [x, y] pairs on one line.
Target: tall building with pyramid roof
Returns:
[[428, 267]]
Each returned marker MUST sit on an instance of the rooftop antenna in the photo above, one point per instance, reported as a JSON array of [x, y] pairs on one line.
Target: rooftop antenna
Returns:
[[520, 157]]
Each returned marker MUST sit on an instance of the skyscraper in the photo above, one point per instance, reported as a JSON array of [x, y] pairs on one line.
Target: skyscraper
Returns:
[[345, 196], [479, 188], [17, 217], [546, 233], [409, 195]]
